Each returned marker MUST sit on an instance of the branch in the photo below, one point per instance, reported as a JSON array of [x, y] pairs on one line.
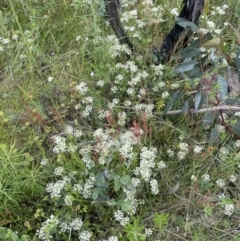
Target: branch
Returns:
[[205, 110]]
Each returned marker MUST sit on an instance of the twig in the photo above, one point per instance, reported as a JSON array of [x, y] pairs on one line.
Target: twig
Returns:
[[205, 110]]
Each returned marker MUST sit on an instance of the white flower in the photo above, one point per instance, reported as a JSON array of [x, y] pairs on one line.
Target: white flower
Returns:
[[82, 88], [193, 178], [148, 231], [220, 183], [100, 83], [58, 171], [229, 208], [119, 216], [197, 149], [183, 146], [221, 196], [165, 94], [211, 24], [68, 200], [84, 236], [162, 165], [50, 79], [206, 177], [15, 37], [217, 31], [174, 12], [154, 186], [76, 224], [233, 178], [78, 38], [170, 153], [135, 181]]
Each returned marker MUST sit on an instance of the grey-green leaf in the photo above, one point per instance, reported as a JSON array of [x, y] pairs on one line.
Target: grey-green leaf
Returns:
[[185, 66]]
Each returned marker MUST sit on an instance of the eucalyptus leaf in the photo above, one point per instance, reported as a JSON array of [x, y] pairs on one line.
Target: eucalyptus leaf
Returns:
[[208, 118], [185, 23], [176, 96], [190, 52], [196, 72], [185, 66], [197, 99], [185, 108], [214, 134], [223, 86], [236, 128]]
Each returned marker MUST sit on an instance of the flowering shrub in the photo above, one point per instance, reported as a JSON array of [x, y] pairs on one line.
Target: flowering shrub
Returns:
[[114, 167]]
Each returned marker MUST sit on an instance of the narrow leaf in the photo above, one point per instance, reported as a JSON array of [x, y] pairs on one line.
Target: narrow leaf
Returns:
[[208, 118], [197, 99], [185, 66], [214, 134], [176, 96], [236, 128], [223, 86]]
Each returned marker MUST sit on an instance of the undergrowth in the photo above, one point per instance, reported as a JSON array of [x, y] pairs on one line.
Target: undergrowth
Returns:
[[88, 148]]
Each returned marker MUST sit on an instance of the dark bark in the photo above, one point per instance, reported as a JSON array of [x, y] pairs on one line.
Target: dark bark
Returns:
[[191, 11], [111, 8]]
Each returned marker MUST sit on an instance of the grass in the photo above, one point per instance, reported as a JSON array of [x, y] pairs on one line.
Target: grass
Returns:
[[94, 170]]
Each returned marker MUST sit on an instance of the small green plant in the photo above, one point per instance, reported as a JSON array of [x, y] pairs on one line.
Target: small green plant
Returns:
[[135, 231]]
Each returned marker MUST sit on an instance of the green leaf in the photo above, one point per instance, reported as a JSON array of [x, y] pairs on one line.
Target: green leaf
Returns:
[[208, 211], [185, 108], [134, 231], [223, 86], [111, 202], [161, 220], [126, 205], [190, 52], [125, 179], [236, 128], [185, 66], [95, 192], [214, 134], [196, 72], [197, 99], [117, 184], [185, 23], [208, 118], [176, 97]]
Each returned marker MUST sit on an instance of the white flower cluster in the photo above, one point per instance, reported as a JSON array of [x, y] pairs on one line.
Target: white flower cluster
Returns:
[[45, 232], [147, 108], [197, 149], [154, 186], [84, 236], [119, 216], [122, 118], [154, 13], [183, 150], [55, 188], [220, 183], [115, 48], [206, 177], [75, 225], [147, 163], [112, 238], [82, 88], [228, 209], [60, 144], [87, 188], [137, 78], [86, 156], [127, 142]]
